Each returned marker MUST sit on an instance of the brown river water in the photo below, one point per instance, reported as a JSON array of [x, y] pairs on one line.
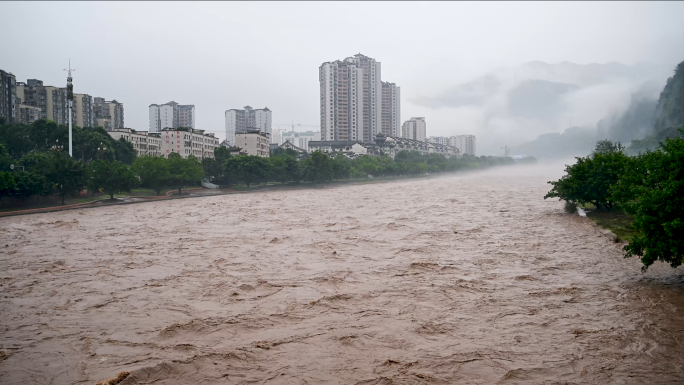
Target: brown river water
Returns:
[[467, 279]]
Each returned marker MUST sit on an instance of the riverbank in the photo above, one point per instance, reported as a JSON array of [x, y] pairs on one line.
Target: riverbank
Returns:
[[194, 192]]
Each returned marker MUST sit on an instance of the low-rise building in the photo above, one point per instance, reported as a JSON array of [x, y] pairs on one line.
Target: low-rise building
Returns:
[[253, 142], [188, 142], [382, 146], [349, 149], [145, 143]]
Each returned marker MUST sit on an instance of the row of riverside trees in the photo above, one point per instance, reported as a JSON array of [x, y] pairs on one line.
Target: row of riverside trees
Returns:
[[649, 187], [318, 167], [56, 173]]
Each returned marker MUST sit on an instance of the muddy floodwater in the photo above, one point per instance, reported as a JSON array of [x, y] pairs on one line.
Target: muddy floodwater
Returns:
[[467, 279]]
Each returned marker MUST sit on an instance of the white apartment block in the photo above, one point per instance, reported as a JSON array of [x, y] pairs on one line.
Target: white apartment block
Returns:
[[253, 142], [145, 143], [415, 129], [391, 109], [171, 115], [300, 139], [466, 144], [247, 119], [188, 142], [350, 99]]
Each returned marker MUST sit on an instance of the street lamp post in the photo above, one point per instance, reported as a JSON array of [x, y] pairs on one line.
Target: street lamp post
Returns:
[[101, 149], [57, 146]]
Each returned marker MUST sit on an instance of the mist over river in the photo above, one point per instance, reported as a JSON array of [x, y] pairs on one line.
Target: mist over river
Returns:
[[466, 278]]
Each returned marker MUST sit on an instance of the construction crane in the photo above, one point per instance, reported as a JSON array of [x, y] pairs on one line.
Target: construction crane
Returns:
[[507, 151]]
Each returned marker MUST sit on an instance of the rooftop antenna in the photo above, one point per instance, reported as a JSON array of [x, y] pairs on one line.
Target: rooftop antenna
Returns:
[[70, 100]]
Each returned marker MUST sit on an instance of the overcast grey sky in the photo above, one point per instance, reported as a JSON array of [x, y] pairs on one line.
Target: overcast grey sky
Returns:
[[227, 55]]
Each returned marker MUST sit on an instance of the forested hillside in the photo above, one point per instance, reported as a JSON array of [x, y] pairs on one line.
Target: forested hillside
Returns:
[[669, 113]]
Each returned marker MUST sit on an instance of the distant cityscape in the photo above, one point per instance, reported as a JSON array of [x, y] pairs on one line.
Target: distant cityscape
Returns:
[[360, 114]]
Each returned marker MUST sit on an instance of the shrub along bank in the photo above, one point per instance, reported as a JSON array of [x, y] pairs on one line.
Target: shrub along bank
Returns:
[[648, 187]]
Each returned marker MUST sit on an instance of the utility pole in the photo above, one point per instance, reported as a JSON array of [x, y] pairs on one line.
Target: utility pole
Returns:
[[70, 100]]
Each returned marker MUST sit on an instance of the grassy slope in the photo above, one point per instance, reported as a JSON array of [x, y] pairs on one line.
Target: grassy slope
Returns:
[[616, 221]]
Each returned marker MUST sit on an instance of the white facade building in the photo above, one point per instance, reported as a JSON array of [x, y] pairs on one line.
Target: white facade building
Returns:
[[253, 142], [188, 142], [415, 129], [143, 142], [247, 119], [466, 144]]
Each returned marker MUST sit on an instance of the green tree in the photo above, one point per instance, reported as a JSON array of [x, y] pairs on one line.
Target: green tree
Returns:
[[153, 172], [210, 168], [124, 151], [589, 180], [7, 183], [87, 141], [367, 164], [603, 146], [184, 171], [284, 168], [31, 183], [341, 167], [67, 175], [248, 169], [112, 177], [652, 191], [318, 167], [17, 138]]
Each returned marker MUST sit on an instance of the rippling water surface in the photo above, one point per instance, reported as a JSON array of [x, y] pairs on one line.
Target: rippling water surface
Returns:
[[457, 279]]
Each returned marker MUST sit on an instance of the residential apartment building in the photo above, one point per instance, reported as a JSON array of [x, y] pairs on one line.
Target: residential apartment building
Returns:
[[84, 114], [247, 119], [465, 143], [171, 115], [145, 143], [52, 101], [253, 142], [350, 99], [28, 114], [415, 129], [301, 139], [391, 109], [108, 114], [352, 96], [188, 142], [8, 96]]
